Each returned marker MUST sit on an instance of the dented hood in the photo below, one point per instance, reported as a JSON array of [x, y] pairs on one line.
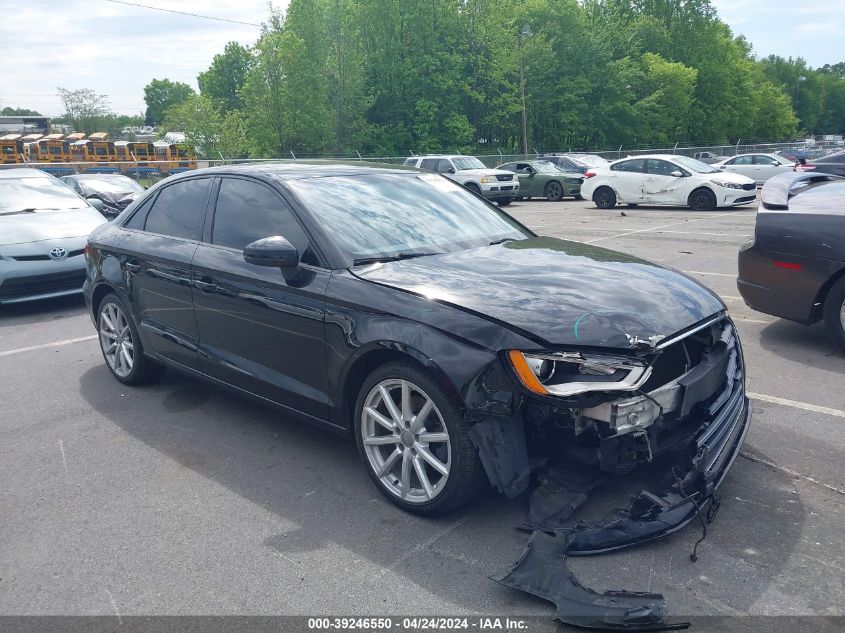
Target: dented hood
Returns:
[[557, 292]]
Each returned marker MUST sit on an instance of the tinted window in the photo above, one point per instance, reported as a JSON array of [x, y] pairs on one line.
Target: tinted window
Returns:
[[429, 163], [660, 167], [248, 211], [179, 209], [443, 165], [139, 218], [637, 165], [508, 167]]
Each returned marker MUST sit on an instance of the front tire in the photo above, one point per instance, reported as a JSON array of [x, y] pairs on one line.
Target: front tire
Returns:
[[834, 314], [503, 202], [414, 441], [121, 346], [604, 197], [474, 188], [702, 200]]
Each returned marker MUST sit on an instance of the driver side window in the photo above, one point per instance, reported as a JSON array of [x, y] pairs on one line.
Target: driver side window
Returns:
[[247, 211], [443, 166]]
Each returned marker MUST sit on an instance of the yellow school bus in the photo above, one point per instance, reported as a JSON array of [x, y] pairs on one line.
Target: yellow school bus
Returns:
[[11, 149], [173, 158], [135, 157]]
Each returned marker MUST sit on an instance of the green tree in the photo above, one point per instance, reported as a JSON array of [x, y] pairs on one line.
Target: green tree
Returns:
[[208, 131], [224, 79], [161, 95], [84, 109]]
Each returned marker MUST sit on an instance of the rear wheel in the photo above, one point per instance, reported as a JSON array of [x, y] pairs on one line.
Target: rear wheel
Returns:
[[604, 197], [414, 441], [702, 200], [834, 314], [121, 346], [554, 191]]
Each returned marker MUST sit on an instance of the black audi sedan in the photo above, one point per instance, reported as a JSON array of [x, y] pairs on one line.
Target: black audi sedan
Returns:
[[449, 340], [794, 266]]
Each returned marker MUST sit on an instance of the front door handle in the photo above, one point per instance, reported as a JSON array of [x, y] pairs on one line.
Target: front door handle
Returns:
[[133, 267], [206, 283]]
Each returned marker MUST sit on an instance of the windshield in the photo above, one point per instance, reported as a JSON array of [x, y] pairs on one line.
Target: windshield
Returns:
[[468, 162], [590, 160], [118, 184], [392, 215], [545, 167], [694, 165], [36, 194]]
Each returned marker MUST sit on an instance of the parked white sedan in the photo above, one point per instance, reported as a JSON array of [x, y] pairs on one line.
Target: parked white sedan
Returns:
[[759, 167], [666, 179]]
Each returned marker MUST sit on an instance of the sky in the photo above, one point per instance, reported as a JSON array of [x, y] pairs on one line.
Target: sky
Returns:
[[117, 49]]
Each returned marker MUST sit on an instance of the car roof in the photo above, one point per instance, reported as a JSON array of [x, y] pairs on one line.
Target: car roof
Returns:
[[443, 156], [23, 172], [660, 156], [286, 170]]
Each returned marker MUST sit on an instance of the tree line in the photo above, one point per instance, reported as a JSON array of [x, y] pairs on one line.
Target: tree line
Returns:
[[391, 76]]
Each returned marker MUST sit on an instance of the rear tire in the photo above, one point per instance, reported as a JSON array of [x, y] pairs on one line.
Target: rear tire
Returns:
[[121, 346], [553, 191], [385, 443], [702, 200], [604, 197], [834, 314], [632, 205]]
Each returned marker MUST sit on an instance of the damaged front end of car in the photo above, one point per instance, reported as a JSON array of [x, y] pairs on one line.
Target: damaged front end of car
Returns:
[[675, 402]]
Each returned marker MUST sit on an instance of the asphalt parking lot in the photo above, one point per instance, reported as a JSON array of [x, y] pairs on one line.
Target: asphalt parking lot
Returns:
[[180, 499]]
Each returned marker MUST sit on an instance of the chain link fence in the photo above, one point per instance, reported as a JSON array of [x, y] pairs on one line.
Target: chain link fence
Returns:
[[149, 172]]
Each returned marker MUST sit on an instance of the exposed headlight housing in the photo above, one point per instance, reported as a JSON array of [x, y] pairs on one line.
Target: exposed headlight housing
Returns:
[[727, 185], [570, 373], [488, 179]]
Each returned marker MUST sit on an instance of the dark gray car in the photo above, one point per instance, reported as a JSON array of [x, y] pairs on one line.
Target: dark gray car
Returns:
[[794, 267]]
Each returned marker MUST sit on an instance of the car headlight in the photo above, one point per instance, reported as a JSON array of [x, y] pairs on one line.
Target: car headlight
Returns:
[[571, 373], [727, 185], [488, 179]]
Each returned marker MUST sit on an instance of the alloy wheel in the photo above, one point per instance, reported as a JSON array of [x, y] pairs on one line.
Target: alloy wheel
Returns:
[[554, 191], [406, 440], [116, 340], [842, 315]]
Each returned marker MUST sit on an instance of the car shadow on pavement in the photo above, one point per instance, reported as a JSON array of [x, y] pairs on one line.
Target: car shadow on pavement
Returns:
[[35, 311], [808, 345], [314, 481]]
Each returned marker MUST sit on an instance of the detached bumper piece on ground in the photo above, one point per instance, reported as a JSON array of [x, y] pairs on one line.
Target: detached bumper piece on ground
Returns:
[[542, 571], [702, 418]]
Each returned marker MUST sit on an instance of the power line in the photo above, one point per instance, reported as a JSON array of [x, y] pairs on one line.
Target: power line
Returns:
[[193, 15]]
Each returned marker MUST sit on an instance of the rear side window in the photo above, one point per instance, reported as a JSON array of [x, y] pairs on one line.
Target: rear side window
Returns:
[[637, 166], [410, 161], [248, 211], [179, 210]]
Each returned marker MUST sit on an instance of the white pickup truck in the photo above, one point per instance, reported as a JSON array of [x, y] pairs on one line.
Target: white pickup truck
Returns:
[[494, 184]]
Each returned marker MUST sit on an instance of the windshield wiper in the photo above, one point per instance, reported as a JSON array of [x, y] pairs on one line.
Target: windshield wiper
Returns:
[[30, 210], [389, 258], [502, 241]]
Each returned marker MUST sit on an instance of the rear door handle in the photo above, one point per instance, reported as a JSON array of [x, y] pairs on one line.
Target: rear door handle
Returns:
[[206, 283]]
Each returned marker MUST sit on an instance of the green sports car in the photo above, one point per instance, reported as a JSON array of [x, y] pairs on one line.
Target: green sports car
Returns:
[[542, 179]]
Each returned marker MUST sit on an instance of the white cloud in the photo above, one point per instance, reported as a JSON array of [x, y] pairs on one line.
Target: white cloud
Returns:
[[818, 27], [112, 48]]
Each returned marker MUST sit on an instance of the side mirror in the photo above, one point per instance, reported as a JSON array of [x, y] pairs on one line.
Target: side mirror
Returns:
[[677, 174], [274, 251], [451, 170], [95, 202]]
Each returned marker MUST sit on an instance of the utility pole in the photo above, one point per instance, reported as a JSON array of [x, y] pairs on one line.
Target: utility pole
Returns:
[[525, 30]]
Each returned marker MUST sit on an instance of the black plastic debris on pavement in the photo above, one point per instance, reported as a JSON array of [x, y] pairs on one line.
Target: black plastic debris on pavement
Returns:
[[541, 571]]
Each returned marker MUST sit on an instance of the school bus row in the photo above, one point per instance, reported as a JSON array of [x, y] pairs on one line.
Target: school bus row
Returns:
[[53, 153]]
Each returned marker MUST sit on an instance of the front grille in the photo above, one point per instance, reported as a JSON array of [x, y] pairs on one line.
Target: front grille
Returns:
[[20, 287], [41, 258], [749, 186], [744, 199], [509, 188], [504, 178]]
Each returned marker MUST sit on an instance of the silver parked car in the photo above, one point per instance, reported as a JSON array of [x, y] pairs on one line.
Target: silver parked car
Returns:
[[43, 228]]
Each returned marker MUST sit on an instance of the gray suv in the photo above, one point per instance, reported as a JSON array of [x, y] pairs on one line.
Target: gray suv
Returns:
[[494, 184]]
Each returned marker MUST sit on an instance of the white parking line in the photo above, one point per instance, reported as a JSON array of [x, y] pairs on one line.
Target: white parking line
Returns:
[[701, 272], [657, 228], [797, 405], [68, 341]]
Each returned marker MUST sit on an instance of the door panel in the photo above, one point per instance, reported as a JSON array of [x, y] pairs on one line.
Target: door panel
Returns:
[[261, 329], [628, 179], [661, 187], [260, 332]]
